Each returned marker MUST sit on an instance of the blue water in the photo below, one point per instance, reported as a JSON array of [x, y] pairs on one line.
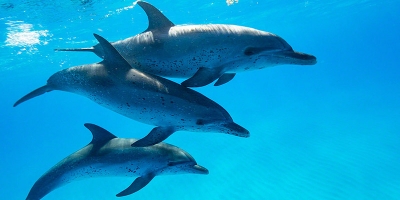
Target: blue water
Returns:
[[328, 131]]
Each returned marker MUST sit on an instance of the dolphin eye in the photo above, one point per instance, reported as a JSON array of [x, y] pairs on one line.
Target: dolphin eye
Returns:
[[249, 51]]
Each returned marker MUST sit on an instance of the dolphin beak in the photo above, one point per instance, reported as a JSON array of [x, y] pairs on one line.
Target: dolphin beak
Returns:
[[299, 58], [197, 169], [236, 129], [306, 57]]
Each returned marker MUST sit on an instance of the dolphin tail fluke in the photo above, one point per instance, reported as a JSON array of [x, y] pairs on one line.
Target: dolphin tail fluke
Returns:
[[138, 184], [90, 49], [33, 94], [157, 135]]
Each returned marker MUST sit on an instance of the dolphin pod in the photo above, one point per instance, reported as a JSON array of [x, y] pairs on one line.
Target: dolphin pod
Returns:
[[128, 81], [147, 98], [108, 155], [202, 53]]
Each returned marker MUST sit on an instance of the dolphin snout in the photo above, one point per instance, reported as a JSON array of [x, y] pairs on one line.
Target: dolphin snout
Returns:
[[308, 58], [294, 58], [300, 58], [236, 129], [197, 169]]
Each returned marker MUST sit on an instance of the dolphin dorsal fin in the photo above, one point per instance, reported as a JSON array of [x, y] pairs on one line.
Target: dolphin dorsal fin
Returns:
[[100, 135], [114, 60], [157, 20]]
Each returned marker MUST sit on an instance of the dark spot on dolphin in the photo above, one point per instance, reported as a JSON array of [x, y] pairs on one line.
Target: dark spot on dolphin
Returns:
[[249, 51], [200, 122]]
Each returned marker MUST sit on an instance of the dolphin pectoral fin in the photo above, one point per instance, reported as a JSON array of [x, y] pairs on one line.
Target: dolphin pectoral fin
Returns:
[[157, 135], [137, 184], [202, 77], [157, 21], [33, 94], [224, 78]]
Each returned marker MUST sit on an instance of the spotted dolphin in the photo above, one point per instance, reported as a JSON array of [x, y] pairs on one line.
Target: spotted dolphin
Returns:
[[107, 155], [147, 98], [202, 53]]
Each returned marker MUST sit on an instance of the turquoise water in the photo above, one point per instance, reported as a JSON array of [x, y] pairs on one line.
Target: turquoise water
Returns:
[[328, 131]]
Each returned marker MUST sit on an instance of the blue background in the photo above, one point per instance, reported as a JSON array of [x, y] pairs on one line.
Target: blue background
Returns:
[[328, 131]]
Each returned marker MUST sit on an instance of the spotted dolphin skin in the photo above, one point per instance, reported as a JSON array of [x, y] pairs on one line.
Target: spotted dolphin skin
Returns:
[[202, 53], [147, 98], [107, 155]]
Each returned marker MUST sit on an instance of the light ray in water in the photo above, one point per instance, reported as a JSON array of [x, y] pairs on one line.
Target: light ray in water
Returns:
[[20, 34], [119, 10]]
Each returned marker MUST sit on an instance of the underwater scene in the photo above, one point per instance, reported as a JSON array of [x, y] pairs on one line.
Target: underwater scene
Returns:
[[222, 99]]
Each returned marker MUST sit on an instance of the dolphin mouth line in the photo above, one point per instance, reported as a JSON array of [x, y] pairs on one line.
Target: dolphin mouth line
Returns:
[[290, 54]]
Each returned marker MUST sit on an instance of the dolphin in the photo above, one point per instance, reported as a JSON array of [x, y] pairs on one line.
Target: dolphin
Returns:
[[108, 155], [147, 98], [202, 53]]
